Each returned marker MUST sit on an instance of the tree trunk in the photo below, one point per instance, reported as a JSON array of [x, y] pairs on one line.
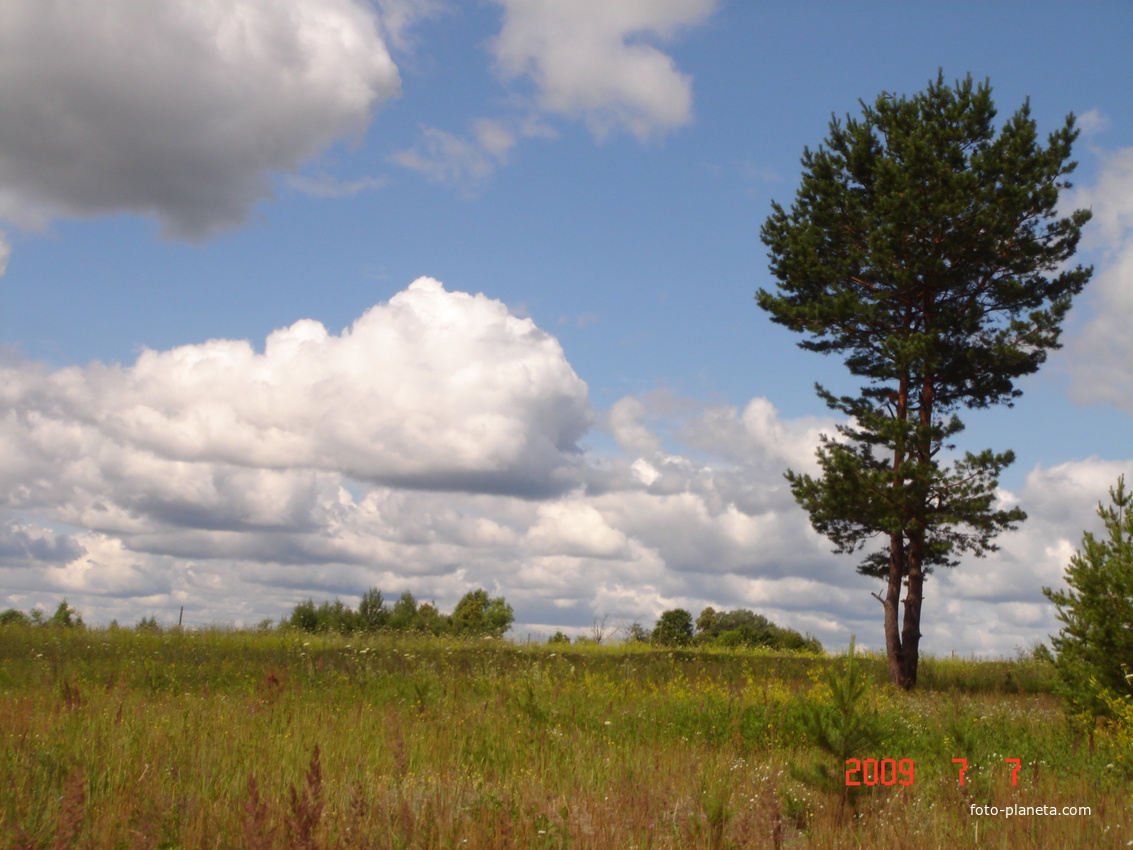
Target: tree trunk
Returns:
[[893, 649], [911, 628], [916, 549]]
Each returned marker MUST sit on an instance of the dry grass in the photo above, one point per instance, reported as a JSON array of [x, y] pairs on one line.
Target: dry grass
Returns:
[[222, 740]]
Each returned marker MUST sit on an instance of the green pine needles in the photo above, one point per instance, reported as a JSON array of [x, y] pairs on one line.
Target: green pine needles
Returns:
[[843, 728], [925, 247], [1095, 646]]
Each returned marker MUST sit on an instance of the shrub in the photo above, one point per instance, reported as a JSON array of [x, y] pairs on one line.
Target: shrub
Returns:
[[742, 627]]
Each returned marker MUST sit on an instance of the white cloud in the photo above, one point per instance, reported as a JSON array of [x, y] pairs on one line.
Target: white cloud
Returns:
[[432, 447], [1110, 198], [995, 604], [1093, 121], [435, 389], [180, 109], [29, 545], [577, 529], [467, 162], [588, 60], [626, 421], [323, 185], [397, 17], [448, 159], [1102, 352]]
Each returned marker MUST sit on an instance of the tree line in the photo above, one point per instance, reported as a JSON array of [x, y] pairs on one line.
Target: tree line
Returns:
[[65, 616], [739, 627], [476, 614]]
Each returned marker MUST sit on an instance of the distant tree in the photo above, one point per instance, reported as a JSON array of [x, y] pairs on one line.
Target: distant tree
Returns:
[[1095, 645], [404, 614], [478, 614], [431, 621], [598, 630], [674, 628], [706, 622], [327, 616], [338, 617], [499, 616], [66, 617], [558, 637], [372, 610], [148, 624], [741, 627], [637, 633], [755, 628], [12, 617], [928, 249], [304, 616]]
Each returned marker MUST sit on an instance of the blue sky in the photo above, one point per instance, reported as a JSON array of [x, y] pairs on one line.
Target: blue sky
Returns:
[[582, 409]]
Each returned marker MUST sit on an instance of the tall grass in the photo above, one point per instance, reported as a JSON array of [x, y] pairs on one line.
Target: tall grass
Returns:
[[279, 739]]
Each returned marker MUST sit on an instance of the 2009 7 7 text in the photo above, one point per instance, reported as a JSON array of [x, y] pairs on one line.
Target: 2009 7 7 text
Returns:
[[903, 772]]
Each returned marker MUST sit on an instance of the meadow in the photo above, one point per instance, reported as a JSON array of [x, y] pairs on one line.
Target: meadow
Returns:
[[116, 738]]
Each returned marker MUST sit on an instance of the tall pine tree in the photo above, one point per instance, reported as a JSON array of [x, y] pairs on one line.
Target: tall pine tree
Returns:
[[924, 246]]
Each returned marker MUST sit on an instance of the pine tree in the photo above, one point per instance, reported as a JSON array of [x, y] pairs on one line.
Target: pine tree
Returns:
[[1095, 644], [925, 247]]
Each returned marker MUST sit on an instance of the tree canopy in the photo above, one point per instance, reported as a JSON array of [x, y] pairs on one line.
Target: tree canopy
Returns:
[[925, 247]]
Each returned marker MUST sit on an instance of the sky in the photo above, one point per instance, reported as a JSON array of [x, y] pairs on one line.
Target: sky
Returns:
[[302, 298]]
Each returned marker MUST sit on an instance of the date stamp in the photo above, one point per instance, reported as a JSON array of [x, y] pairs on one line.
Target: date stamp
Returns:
[[883, 771], [903, 771]]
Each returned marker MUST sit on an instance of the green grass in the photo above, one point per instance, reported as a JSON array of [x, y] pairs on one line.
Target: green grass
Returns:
[[209, 739]]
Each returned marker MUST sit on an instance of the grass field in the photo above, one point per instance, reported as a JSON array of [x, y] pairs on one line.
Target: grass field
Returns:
[[117, 738]]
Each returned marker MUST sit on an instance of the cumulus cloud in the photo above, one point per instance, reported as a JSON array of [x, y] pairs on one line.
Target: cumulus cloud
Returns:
[[626, 421], [30, 545], [435, 389], [996, 604], [433, 447], [180, 109], [589, 59], [1102, 353]]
